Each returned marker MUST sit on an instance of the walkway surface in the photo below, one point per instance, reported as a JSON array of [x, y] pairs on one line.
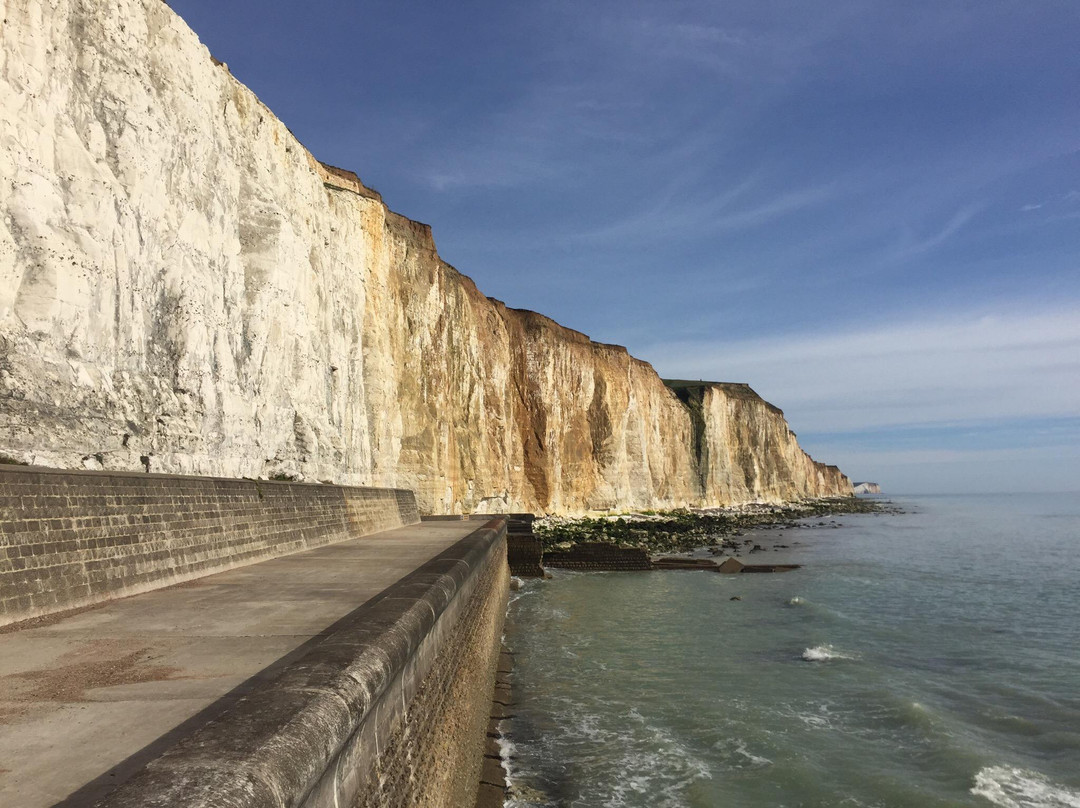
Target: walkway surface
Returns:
[[88, 699]]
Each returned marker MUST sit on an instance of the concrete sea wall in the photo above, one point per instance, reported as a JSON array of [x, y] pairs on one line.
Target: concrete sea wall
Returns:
[[387, 707], [184, 288], [71, 539], [436, 758], [388, 710]]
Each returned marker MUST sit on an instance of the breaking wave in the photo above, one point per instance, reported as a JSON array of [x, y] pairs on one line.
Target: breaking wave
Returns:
[[1020, 788], [824, 653]]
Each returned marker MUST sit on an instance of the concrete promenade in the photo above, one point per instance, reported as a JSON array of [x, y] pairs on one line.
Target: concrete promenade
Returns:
[[89, 698]]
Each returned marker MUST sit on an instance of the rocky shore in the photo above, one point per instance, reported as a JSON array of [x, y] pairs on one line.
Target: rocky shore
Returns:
[[685, 530]]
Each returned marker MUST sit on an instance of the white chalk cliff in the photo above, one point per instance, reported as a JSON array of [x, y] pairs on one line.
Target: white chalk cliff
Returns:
[[184, 288]]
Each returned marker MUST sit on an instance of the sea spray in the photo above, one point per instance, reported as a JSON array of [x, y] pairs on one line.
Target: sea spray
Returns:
[[1010, 787], [824, 653]]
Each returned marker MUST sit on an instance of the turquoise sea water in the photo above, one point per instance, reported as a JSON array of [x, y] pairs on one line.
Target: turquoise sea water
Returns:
[[924, 659]]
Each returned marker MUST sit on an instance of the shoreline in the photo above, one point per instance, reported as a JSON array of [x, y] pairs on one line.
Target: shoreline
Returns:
[[685, 531]]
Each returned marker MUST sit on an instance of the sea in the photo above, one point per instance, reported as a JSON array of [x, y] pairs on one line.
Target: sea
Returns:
[[926, 658]]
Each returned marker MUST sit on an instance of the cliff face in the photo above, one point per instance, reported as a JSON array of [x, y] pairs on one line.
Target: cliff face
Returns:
[[184, 288], [745, 450]]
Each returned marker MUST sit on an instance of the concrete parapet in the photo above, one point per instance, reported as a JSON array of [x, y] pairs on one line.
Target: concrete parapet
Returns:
[[74, 538], [332, 729], [438, 755]]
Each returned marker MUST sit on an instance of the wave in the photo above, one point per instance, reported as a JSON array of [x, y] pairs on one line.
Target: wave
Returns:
[[817, 609], [824, 653], [1021, 788], [623, 759], [824, 718], [739, 755], [518, 595]]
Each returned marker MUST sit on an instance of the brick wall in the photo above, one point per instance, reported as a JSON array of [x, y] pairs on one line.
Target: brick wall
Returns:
[[70, 538], [524, 550], [526, 555], [598, 557]]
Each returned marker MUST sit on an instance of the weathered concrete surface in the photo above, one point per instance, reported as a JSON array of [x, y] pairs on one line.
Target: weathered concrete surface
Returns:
[[88, 699], [184, 288], [437, 758]]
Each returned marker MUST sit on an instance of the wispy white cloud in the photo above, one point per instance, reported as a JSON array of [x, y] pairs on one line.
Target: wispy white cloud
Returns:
[[713, 34], [922, 457], [731, 210], [636, 58], [535, 138], [1034, 469], [781, 205], [1030, 207], [961, 368], [952, 226], [859, 391], [768, 50]]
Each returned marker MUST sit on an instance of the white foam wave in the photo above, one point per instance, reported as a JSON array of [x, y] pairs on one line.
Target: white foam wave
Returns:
[[824, 653], [1021, 788], [516, 596], [796, 601], [755, 760], [651, 762], [814, 721], [734, 754], [507, 749]]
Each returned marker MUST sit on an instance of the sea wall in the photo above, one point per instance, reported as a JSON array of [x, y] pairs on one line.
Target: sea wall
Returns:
[[390, 709], [436, 756], [185, 289], [70, 539]]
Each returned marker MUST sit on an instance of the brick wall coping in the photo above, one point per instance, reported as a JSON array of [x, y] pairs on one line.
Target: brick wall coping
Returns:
[[14, 468], [311, 736]]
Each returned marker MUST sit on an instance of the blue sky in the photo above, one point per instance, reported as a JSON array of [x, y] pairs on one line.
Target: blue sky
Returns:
[[870, 211]]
